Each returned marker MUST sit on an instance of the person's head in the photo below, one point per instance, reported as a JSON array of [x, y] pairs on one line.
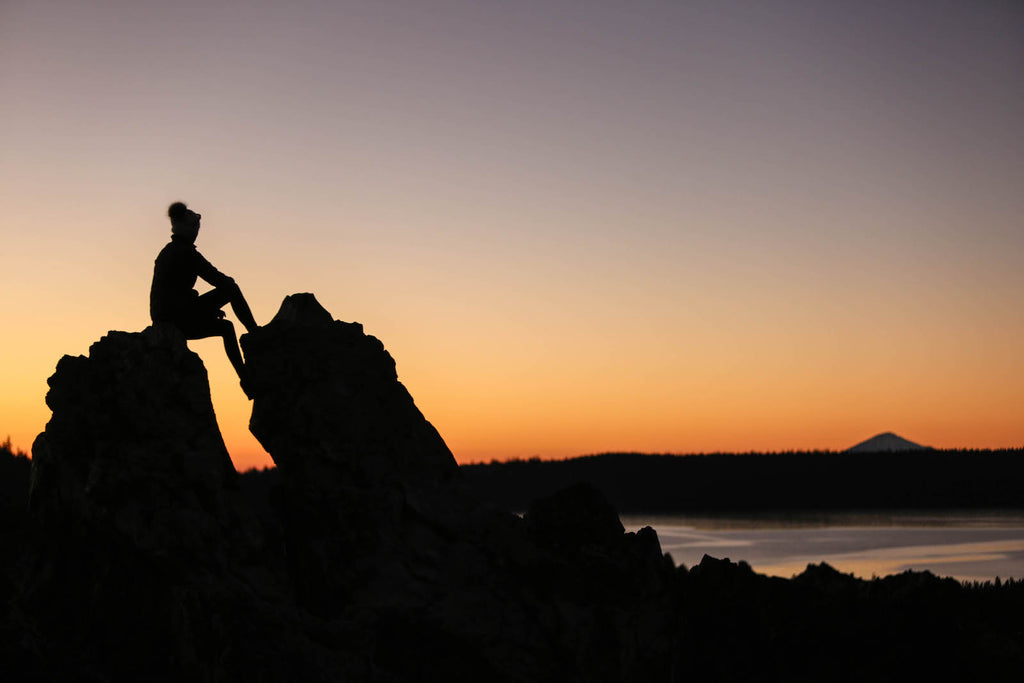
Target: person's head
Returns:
[[184, 221]]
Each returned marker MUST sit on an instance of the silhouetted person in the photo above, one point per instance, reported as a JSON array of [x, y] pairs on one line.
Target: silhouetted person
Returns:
[[172, 298]]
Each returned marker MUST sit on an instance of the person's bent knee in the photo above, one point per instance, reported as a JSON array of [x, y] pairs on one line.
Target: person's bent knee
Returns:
[[225, 328]]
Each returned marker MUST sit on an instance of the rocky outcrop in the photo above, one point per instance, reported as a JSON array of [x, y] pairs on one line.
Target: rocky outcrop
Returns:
[[362, 471], [367, 500], [366, 559], [330, 408], [133, 447], [362, 557], [147, 558], [375, 518]]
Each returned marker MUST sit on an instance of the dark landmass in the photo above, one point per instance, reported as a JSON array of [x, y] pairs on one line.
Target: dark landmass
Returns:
[[637, 483], [365, 556]]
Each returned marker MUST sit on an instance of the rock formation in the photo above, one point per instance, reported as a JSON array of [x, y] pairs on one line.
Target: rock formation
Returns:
[[357, 458], [374, 517], [362, 557], [328, 394], [368, 561], [148, 561], [133, 446]]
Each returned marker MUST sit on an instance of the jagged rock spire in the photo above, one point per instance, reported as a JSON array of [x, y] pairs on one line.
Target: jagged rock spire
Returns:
[[328, 395]]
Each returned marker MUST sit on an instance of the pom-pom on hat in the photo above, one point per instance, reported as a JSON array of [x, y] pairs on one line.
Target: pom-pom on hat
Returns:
[[181, 216]]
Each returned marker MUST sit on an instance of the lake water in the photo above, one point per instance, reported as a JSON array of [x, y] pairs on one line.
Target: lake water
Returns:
[[967, 545]]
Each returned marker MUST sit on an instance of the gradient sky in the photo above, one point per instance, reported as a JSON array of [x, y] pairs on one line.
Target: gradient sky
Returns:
[[577, 226]]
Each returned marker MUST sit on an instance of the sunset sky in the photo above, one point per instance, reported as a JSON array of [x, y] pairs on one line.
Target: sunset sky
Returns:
[[578, 226]]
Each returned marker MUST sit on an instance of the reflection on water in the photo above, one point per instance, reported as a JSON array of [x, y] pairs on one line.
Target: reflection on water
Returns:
[[967, 545]]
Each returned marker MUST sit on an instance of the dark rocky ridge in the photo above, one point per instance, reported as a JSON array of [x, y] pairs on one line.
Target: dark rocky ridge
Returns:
[[370, 562]]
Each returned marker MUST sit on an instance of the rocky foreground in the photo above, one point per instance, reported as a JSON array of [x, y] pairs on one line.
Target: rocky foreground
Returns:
[[147, 558]]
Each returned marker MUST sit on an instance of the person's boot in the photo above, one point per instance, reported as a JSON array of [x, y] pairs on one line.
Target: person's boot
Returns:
[[246, 382]]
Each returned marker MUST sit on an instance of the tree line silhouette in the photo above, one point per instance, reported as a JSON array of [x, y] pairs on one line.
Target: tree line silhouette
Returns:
[[14, 476], [742, 482], [797, 480]]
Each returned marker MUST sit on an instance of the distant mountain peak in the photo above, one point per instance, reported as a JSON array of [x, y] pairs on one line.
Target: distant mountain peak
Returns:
[[886, 442]]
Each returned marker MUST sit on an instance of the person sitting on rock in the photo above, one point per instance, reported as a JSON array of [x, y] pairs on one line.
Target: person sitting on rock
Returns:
[[172, 298]]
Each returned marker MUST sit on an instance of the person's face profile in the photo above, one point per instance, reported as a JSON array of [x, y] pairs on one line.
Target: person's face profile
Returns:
[[194, 224]]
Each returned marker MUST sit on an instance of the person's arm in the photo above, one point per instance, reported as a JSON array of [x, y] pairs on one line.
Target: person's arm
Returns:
[[210, 274]]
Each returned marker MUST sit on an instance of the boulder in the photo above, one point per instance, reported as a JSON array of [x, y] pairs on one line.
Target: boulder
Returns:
[[133, 448], [145, 559], [329, 406], [366, 480]]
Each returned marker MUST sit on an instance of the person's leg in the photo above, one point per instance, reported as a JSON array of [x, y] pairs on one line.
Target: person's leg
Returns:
[[226, 331], [230, 294], [241, 308], [197, 326], [219, 327]]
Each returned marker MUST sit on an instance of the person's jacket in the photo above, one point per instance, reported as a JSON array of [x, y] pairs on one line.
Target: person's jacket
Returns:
[[177, 267]]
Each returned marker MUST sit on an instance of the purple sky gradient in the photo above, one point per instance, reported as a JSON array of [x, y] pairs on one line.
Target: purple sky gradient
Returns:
[[578, 226]]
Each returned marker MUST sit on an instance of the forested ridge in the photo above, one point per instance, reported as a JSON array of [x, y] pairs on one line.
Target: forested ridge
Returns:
[[636, 482]]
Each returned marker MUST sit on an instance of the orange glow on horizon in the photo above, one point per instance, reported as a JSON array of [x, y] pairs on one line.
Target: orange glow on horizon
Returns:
[[774, 409], [686, 229]]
